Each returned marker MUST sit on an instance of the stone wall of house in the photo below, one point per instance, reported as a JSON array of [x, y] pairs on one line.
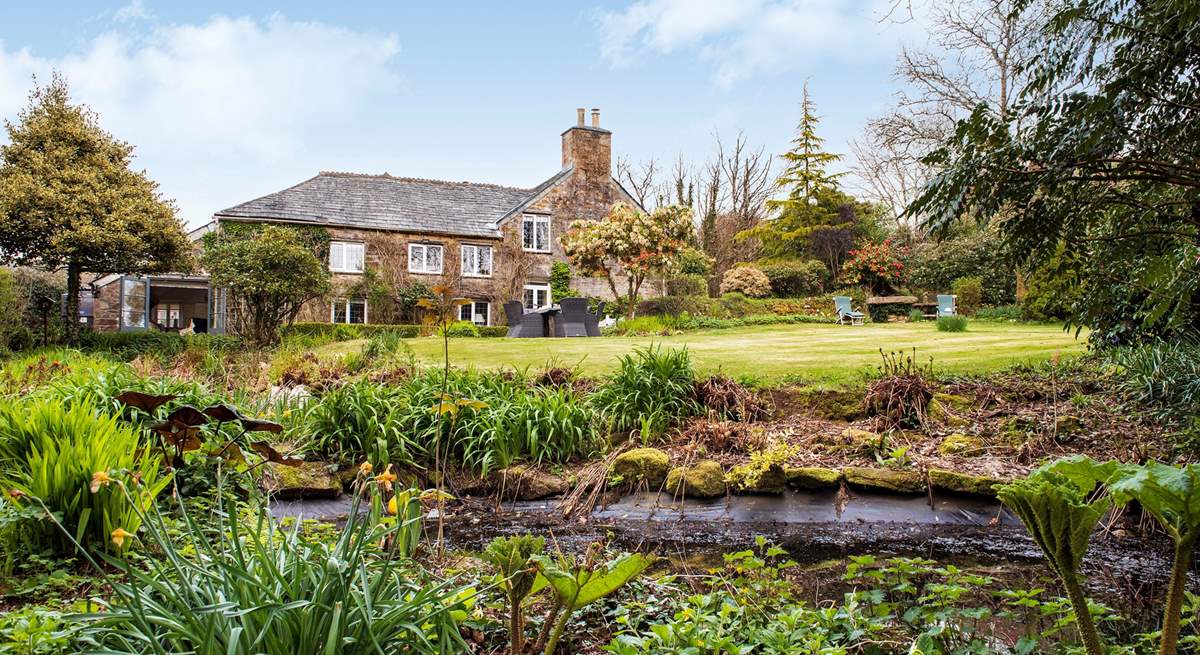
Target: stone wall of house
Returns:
[[386, 256]]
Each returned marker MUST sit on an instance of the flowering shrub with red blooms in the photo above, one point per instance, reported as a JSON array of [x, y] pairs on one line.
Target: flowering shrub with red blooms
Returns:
[[875, 266]]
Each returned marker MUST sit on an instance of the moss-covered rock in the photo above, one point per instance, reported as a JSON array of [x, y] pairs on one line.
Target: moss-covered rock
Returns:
[[771, 481], [813, 477], [898, 481], [642, 465], [965, 483], [1016, 430], [946, 408], [704, 479], [309, 480], [520, 482], [961, 444], [1068, 426]]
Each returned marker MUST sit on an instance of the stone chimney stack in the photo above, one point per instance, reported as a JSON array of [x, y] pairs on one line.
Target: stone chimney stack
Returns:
[[588, 149]]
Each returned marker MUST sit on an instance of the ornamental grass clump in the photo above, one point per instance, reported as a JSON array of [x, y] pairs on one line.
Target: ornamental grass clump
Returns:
[[251, 586], [652, 390], [53, 452], [952, 323]]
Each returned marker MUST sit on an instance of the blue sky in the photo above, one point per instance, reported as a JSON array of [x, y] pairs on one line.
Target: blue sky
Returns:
[[226, 101]]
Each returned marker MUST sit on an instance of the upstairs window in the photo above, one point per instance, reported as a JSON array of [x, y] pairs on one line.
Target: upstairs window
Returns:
[[424, 258], [346, 257], [477, 261], [536, 233]]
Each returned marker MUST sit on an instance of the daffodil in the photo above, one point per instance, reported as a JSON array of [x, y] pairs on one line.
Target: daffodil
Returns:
[[101, 479], [120, 535], [365, 468], [387, 478], [392, 506]]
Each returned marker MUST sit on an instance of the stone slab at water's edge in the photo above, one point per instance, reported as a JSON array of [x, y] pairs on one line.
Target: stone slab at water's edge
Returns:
[[704, 479]]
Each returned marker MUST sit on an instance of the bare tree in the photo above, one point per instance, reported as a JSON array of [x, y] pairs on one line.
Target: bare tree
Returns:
[[976, 47], [641, 180]]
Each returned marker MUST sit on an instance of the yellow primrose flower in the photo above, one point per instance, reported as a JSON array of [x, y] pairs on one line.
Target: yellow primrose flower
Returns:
[[365, 468], [120, 535], [101, 479]]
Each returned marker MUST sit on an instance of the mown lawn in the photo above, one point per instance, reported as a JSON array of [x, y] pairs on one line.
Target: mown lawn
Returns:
[[818, 353]]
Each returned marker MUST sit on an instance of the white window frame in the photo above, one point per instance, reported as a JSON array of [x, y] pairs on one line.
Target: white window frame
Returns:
[[536, 288], [345, 303], [343, 247], [487, 312], [163, 312], [478, 250], [535, 219], [425, 248]]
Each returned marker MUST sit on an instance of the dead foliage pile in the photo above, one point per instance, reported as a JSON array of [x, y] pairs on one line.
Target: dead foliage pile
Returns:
[[555, 376], [724, 397], [723, 436], [900, 396]]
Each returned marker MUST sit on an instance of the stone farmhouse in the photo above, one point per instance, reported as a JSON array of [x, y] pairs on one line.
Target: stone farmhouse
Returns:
[[492, 243]]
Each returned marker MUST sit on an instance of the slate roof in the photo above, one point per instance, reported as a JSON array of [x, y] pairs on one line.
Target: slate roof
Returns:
[[386, 202]]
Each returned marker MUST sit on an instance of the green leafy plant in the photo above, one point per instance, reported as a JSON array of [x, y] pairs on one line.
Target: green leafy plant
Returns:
[[1171, 494], [915, 316], [577, 585], [512, 558], [1058, 505]]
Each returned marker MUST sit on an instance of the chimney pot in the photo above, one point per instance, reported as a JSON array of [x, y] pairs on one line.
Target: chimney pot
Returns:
[[595, 117], [579, 115]]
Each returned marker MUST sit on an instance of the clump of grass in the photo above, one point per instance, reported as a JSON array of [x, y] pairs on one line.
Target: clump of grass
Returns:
[[900, 396], [652, 390], [915, 316], [952, 324]]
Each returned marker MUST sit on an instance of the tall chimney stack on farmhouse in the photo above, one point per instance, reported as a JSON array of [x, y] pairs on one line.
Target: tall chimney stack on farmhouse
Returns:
[[588, 150]]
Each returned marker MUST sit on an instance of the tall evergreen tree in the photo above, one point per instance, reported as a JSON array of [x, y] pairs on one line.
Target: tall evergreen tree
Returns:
[[68, 199], [805, 174], [812, 202]]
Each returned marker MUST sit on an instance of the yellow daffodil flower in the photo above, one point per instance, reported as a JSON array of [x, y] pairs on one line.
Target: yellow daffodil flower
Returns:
[[120, 535], [101, 479], [365, 468]]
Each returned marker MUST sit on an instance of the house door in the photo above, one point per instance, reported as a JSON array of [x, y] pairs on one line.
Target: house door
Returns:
[[135, 303]]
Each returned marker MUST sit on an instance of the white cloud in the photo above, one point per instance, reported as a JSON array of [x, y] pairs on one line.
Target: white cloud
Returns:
[[208, 103], [135, 10], [748, 37]]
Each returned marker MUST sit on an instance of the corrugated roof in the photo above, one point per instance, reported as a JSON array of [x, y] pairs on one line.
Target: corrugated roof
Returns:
[[386, 202]]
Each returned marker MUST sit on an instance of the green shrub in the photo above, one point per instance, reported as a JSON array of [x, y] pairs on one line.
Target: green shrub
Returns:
[[644, 326], [688, 285], [343, 331], [796, 277], [50, 451], [652, 391], [462, 329], [999, 313], [560, 280], [952, 324], [493, 331], [127, 346], [915, 316], [970, 294], [746, 280], [933, 266]]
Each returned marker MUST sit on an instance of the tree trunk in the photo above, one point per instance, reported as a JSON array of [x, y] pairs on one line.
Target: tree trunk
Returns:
[[71, 319]]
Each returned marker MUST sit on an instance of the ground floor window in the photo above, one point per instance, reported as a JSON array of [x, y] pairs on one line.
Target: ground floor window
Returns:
[[168, 315], [537, 296], [477, 311], [348, 311]]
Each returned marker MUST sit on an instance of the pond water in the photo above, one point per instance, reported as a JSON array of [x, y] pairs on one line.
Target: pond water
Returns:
[[815, 528]]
